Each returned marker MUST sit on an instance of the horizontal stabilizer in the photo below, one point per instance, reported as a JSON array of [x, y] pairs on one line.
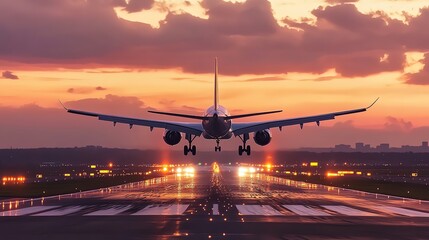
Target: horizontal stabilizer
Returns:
[[252, 114]]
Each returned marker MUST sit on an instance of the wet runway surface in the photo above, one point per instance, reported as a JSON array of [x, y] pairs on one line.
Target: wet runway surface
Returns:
[[205, 205]]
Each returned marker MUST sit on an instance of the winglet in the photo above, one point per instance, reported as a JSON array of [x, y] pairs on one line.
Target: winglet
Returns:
[[63, 105], [373, 103]]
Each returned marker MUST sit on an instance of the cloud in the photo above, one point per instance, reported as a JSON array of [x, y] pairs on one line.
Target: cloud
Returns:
[[395, 124], [270, 78], [244, 35], [139, 5], [85, 90], [9, 75], [79, 91], [421, 77], [340, 1], [35, 126]]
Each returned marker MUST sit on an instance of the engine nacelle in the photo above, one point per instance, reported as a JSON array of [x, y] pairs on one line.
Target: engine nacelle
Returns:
[[262, 137], [172, 137]]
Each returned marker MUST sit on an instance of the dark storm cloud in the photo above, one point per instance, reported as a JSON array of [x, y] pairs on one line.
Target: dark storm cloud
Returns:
[[9, 75], [245, 37]]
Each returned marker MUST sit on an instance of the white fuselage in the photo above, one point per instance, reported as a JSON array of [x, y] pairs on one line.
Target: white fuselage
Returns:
[[217, 126]]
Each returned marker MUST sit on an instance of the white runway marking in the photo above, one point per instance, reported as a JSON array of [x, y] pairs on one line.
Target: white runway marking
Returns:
[[110, 211], [264, 210], [306, 211], [348, 211], [176, 209], [215, 209], [61, 211], [26, 211], [403, 211]]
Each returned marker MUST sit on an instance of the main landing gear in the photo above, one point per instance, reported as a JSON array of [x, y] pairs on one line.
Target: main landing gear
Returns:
[[190, 148], [217, 147], [244, 148]]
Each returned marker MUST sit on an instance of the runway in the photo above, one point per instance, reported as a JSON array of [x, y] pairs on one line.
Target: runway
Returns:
[[217, 206]]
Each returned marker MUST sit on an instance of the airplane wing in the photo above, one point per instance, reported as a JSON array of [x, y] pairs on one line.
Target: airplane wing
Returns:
[[243, 128], [184, 127]]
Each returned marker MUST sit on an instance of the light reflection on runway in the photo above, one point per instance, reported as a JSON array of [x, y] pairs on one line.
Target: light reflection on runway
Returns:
[[218, 205], [202, 192]]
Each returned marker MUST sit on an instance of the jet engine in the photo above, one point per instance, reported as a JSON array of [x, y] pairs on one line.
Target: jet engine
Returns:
[[172, 137], [262, 137]]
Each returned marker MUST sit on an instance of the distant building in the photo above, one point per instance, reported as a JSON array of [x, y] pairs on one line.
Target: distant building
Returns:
[[384, 147], [343, 148], [361, 147]]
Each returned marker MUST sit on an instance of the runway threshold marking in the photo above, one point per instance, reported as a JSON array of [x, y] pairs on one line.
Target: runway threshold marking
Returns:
[[110, 211], [172, 209], [403, 211], [305, 210], [348, 211], [26, 211], [215, 209], [61, 211], [264, 210]]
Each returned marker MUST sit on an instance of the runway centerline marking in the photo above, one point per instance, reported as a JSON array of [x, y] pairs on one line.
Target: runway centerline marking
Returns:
[[348, 211], [172, 209], [264, 210], [26, 211], [215, 209], [305, 210]]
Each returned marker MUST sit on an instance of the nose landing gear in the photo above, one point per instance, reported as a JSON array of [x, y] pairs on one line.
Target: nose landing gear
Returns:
[[217, 147]]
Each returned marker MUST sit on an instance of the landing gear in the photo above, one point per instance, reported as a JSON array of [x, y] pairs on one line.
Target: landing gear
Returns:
[[190, 148], [218, 148], [244, 147]]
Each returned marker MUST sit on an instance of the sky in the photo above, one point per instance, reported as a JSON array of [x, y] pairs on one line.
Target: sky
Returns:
[[126, 57]]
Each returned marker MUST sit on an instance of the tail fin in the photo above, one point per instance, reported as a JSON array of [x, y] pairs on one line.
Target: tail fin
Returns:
[[216, 92]]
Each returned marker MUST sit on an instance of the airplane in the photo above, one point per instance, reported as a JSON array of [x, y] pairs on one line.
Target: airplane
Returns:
[[216, 123]]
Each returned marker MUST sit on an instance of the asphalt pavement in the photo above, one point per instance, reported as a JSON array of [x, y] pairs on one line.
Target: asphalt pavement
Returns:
[[202, 204]]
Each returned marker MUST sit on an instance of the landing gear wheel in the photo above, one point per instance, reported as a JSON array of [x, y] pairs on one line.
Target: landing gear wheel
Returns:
[[185, 150], [240, 150], [194, 150], [248, 150]]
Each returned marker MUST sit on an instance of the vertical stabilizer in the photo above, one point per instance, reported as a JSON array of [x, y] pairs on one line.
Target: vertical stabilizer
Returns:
[[216, 92]]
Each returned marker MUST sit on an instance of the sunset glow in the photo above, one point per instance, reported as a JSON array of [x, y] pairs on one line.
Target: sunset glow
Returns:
[[302, 57]]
